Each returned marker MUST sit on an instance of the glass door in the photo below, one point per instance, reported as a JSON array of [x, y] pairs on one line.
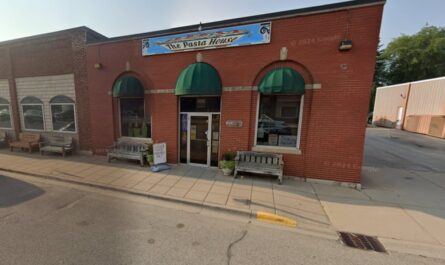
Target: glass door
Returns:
[[199, 139]]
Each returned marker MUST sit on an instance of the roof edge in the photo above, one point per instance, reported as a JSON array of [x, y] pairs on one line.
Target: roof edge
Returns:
[[413, 82], [249, 19], [53, 34]]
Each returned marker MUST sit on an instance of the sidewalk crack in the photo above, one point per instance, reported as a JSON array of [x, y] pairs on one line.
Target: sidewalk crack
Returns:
[[419, 224], [322, 206]]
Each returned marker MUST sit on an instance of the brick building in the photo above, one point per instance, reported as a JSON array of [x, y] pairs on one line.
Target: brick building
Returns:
[[286, 82], [43, 85], [295, 82]]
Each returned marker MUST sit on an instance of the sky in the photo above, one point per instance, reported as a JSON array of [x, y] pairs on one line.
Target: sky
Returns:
[[21, 18]]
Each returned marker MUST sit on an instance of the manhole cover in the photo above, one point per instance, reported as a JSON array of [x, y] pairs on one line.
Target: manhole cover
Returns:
[[361, 242]]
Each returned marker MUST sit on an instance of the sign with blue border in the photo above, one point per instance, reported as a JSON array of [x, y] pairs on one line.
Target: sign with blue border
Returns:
[[251, 34]]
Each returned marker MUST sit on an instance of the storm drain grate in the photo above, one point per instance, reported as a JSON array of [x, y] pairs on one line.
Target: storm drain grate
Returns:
[[361, 242]]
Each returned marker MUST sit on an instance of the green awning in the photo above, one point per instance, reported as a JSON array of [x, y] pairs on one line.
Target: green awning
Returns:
[[283, 80], [128, 87], [198, 79]]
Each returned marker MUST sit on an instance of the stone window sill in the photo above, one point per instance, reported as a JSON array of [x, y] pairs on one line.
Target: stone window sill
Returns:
[[277, 149]]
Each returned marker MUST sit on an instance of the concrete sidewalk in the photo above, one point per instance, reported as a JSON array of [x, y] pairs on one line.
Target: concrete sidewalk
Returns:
[[197, 185], [406, 211]]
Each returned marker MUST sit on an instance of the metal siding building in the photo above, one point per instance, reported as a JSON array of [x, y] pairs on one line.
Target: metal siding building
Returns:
[[387, 102], [417, 106]]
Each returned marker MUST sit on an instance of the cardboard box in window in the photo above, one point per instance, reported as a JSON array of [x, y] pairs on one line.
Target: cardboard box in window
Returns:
[[273, 139], [287, 141]]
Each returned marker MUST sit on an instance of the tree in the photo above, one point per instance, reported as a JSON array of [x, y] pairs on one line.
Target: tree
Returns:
[[416, 57], [379, 75]]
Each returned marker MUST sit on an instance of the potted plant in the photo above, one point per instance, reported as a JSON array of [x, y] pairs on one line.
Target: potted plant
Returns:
[[227, 165], [150, 158]]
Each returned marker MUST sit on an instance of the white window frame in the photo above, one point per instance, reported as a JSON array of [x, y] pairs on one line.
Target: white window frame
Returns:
[[120, 120], [23, 116], [52, 121], [279, 149], [10, 116]]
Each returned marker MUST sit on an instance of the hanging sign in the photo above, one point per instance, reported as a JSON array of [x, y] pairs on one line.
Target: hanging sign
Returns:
[[159, 153], [250, 34]]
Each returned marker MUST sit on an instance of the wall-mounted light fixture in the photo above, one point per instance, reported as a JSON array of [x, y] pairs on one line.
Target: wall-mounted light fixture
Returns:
[[345, 45], [98, 65]]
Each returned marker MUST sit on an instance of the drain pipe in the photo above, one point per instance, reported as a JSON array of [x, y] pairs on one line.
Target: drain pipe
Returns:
[[402, 126]]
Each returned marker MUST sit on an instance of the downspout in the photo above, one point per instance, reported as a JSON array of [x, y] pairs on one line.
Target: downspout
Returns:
[[402, 126]]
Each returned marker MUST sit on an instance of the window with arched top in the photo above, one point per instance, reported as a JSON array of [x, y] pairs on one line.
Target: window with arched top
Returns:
[[31, 100], [5, 114], [280, 108], [32, 113], [61, 99], [4, 101], [63, 114], [129, 93]]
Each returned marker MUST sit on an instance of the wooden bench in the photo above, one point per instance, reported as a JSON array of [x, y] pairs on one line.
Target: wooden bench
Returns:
[[29, 141], [259, 163], [57, 144], [129, 148], [3, 138]]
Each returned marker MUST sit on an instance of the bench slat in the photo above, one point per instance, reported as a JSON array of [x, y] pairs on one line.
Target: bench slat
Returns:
[[259, 163]]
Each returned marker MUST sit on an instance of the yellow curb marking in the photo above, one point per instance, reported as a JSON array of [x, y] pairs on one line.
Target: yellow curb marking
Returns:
[[277, 219]]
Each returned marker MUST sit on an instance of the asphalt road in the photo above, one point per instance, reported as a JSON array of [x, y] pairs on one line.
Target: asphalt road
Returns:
[[399, 149], [45, 222]]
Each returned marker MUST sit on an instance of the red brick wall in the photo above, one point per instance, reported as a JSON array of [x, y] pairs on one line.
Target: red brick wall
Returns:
[[236, 105], [334, 116], [165, 123], [63, 53]]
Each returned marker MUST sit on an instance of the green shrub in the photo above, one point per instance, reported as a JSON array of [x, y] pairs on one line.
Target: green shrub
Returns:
[[150, 149], [150, 158], [230, 164]]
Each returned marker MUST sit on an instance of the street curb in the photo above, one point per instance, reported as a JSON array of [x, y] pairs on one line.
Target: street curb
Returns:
[[276, 219], [203, 205], [245, 213], [251, 215]]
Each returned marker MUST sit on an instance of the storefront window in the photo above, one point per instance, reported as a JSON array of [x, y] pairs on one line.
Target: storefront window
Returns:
[[5, 114], [62, 114], [133, 122], [278, 120], [32, 111]]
